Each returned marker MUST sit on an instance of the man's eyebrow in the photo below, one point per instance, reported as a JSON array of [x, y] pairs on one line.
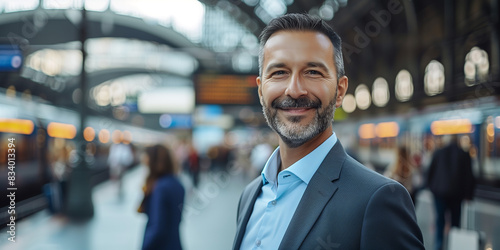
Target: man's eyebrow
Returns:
[[318, 65], [274, 65]]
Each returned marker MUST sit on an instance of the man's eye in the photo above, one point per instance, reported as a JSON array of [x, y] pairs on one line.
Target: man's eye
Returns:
[[278, 73], [313, 72]]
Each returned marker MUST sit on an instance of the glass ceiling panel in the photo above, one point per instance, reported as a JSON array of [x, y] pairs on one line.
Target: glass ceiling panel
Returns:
[[20, 5], [210, 27], [186, 17], [223, 34], [109, 53]]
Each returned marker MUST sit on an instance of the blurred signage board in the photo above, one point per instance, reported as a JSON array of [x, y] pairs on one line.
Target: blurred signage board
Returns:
[[11, 58], [226, 90], [175, 100], [181, 121]]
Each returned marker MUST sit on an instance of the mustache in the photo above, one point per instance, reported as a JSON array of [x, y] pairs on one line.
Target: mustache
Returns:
[[302, 102]]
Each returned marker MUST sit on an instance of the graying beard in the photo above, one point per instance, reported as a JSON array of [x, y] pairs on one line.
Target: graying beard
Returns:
[[295, 140]]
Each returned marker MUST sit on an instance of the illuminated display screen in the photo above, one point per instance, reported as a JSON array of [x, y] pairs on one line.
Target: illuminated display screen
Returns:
[[227, 90]]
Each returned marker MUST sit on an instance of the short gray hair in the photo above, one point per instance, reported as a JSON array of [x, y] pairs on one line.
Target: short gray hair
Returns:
[[302, 22]]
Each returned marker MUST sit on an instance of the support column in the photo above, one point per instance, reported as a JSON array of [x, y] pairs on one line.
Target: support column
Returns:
[[79, 199], [450, 88], [495, 44]]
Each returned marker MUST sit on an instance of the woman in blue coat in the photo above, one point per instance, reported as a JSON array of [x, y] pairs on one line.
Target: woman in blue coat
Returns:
[[163, 199]]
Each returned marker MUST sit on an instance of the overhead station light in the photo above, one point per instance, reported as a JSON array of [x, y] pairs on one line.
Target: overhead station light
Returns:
[[380, 92], [89, 134], [61, 130], [380, 130], [476, 66], [367, 131], [104, 136], [387, 129], [362, 96], [349, 103], [434, 78], [16, 126], [453, 126], [404, 85]]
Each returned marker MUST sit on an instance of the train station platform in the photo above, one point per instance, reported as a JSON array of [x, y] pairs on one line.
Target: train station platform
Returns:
[[209, 219]]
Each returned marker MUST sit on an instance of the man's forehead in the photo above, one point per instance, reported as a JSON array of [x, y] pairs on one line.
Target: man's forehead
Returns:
[[302, 47], [287, 37]]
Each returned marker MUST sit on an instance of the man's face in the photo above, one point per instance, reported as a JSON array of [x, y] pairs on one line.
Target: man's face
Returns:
[[298, 88]]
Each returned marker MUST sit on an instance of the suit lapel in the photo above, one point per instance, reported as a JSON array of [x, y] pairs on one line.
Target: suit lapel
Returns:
[[319, 191], [246, 210]]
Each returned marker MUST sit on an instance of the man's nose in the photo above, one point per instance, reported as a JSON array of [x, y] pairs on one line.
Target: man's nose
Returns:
[[296, 88]]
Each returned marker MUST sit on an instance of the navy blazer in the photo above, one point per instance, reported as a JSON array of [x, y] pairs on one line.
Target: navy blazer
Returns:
[[164, 209], [345, 206]]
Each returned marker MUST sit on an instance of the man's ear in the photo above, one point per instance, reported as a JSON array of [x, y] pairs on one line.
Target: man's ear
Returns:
[[342, 85], [259, 88]]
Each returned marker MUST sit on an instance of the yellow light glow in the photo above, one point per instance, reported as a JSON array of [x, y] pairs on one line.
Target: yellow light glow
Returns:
[[11, 92], [127, 137], [490, 130], [89, 134], [387, 129], [449, 127], [104, 136], [61, 130], [16, 126], [367, 131], [117, 136]]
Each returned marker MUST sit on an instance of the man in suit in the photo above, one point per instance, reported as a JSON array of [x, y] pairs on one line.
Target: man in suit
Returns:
[[311, 194]]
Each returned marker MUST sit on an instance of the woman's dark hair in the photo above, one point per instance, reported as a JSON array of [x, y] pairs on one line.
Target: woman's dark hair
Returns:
[[160, 163], [302, 22], [403, 165]]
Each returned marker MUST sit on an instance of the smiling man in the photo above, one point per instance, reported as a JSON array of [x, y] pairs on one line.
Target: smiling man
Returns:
[[311, 194]]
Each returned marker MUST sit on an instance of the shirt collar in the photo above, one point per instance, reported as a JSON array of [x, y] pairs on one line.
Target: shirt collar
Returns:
[[303, 168]]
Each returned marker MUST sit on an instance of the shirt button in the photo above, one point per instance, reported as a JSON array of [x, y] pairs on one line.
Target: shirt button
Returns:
[[257, 243], [273, 202]]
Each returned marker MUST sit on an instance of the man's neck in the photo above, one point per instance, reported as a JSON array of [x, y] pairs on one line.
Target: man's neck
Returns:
[[291, 155]]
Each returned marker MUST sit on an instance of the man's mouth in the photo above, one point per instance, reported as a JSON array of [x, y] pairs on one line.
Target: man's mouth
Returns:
[[298, 110], [296, 105]]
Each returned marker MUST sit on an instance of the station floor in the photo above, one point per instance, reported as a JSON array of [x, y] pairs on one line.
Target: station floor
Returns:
[[209, 219]]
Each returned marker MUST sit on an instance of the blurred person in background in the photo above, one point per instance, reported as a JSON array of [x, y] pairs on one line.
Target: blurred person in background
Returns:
[[402, 170], [311, 194], [192, 162], [56, 190], [220, 156], [163, 200], [119, 159], [259, 155], [421, 162], [428, 150], [450, 180]]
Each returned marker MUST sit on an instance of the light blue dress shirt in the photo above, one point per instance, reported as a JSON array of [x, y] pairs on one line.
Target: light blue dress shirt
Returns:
[[276, 204]]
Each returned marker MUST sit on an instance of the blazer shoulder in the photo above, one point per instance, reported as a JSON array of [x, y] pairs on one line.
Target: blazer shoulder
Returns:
[[255, 182], [348, 173], [250, 190], [362, 179]]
